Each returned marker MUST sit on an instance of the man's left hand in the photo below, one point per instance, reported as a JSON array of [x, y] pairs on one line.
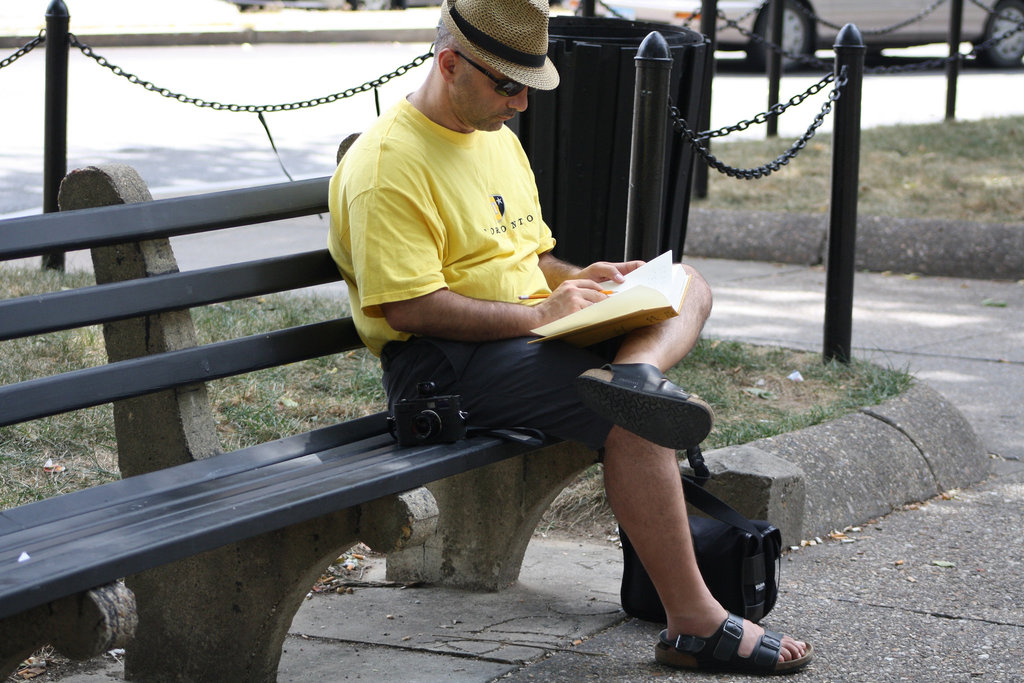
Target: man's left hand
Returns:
[[603, 271]]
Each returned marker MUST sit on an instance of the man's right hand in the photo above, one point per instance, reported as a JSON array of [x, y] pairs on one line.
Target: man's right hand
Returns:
[[569, 297]]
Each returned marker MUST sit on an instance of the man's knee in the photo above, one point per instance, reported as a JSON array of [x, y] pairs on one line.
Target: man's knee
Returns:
[[698, 293]]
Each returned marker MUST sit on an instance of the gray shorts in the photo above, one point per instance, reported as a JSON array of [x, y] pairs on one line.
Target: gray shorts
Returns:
[[503, 384]]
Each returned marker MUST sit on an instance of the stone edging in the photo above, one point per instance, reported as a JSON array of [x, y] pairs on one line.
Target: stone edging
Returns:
[[846, 471], [993, 251]]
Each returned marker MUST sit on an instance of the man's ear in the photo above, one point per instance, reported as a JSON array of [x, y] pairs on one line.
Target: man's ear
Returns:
[[445, 60]]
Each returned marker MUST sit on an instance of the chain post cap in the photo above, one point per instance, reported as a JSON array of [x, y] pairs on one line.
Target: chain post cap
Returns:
[[57, 9], [654, 47], [849, 37]]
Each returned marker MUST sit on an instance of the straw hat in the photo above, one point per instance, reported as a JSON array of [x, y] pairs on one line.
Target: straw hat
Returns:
[[510, 36]]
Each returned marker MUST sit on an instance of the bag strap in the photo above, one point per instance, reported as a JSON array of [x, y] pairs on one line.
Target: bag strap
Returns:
[[707, 501], [717, 508], [701, 473]]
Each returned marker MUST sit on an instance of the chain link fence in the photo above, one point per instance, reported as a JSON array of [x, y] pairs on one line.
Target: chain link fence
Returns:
[[699, 140], [926, 65], [250, 108], [258, 109], [24, 49]]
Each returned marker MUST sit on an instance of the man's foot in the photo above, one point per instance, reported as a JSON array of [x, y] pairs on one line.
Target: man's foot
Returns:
[[720, 652], [639, 398]]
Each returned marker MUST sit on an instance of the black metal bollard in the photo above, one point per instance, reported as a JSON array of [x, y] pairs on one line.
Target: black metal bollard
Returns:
[[708, 27], [842, 234], [645, 202], [956, 20], [774, 64], [55, 143]]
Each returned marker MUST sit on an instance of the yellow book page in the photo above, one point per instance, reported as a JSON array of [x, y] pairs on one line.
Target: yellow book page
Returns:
[[651, 293]]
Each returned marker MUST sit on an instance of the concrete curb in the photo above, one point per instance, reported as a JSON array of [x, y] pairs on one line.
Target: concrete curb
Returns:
[[860, 466], [927, 246]]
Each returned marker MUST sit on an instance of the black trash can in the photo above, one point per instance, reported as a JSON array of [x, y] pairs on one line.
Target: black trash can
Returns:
[[578, 136]]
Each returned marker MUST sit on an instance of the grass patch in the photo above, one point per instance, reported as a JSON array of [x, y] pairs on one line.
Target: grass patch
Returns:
[[748, 386], [962, 170], [755, 395]]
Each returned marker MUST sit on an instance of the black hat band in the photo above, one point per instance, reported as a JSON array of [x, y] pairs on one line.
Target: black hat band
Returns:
[[481, 39]]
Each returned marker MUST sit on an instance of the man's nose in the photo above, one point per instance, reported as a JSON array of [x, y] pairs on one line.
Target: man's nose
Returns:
[[519, 101]]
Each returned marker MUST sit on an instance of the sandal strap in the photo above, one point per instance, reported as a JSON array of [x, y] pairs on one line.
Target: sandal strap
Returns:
[[766, 652], [726, 641], [729, 641]]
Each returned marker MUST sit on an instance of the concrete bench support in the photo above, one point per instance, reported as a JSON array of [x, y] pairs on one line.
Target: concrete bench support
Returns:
[[486, 519], [79, 626]]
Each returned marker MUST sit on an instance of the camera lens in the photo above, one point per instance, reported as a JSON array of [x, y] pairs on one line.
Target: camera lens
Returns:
[[426, 424]]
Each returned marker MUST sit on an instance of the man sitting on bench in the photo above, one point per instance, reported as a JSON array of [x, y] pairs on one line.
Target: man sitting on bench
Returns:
[[436, 227]]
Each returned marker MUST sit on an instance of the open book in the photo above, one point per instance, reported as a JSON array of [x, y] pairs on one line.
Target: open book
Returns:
[[651, 293]]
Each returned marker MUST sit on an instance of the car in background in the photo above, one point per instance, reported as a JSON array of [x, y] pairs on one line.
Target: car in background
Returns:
[[802, 34], [257, 5]]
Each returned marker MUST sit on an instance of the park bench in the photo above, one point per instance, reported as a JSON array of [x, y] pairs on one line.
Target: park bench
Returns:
[[218, 550]]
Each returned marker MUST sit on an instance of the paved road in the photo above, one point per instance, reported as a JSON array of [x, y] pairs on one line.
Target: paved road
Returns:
[[182, 148]]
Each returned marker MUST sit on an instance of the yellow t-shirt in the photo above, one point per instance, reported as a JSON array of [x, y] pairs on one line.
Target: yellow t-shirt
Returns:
[[416, 207]]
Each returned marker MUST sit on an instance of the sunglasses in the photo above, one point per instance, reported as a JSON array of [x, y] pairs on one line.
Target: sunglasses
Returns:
[[505, 87]]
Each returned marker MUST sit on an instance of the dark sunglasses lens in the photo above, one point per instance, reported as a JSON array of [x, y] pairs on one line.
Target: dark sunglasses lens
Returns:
[[509, 88]]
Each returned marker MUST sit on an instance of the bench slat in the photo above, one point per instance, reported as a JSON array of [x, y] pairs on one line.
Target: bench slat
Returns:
[[43, 313], [167, 504], [86, 228], [323, 483], [125, 379], [71, 505]]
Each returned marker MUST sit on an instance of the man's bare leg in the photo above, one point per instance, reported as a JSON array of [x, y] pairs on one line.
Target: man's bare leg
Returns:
[[645, 492], [646, 495]]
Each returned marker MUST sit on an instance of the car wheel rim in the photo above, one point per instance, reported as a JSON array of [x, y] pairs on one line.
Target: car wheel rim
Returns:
[[1013, 46], [793, 37]]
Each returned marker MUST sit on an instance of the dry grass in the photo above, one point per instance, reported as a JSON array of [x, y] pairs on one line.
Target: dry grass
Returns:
[[965, 170], [754, 396]]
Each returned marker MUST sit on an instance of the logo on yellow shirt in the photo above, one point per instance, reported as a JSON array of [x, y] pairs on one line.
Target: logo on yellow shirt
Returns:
[[498, 204]]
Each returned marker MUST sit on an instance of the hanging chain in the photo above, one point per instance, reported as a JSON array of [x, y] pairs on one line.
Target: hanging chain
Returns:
[[24, 49], [763, 117], [807, 60], [747, 15], [252, 108], [680, 126], [875, 31]]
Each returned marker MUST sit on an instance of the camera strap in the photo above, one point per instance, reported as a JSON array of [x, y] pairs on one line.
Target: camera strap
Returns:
[[523, 435]]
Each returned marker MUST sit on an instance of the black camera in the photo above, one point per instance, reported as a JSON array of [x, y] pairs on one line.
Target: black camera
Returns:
[[427, 418]]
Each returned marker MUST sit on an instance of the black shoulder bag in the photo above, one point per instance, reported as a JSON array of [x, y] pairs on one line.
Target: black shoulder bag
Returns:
[[738, 558]]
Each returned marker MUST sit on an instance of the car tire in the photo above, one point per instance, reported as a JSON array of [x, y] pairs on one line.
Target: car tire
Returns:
[[1007, 53], [797, 36]]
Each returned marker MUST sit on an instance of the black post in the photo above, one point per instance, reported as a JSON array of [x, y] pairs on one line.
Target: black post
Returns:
[[842, 234], [709, 28], [956, 20], [774, 63], [587, 8], [646, 200], [55, 143]]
